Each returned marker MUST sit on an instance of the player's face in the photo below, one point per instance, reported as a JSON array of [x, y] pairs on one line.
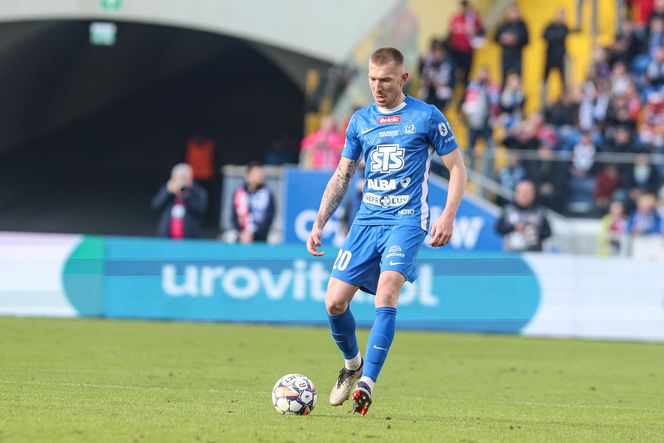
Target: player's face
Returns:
[[386, 83]]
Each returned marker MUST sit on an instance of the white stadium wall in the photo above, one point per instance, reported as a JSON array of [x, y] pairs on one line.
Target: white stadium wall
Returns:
[[533, 294]]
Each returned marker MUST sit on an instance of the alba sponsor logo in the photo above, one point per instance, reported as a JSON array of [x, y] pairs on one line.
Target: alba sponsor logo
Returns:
[[300, 282], [381, 185], [389, 120]]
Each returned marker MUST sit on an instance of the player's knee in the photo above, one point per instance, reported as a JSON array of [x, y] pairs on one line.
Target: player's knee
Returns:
[[335, 305]]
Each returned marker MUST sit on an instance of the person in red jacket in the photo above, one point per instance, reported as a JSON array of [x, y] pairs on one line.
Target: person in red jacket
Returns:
[[465, 34]]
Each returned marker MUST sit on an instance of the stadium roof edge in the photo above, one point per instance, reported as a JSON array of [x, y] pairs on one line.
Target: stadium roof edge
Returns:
[[321, 29]]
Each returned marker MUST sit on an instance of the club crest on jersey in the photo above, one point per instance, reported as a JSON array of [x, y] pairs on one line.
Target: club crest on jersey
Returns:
[[389, 120], [410, 128]]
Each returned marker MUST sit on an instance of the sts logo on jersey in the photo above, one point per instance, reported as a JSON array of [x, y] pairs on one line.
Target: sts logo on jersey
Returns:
[[386, 158]]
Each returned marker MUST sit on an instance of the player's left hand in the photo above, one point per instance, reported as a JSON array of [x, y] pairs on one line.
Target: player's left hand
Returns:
[[441, 231], [314, 242]]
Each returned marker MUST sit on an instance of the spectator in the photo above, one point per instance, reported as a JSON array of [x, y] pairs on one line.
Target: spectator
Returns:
[[253, 206], [322, 149], [642, 177], [613, 227], [182, 203], [582, 182], [563, 112], [510, 175], [550, 176], [651, 130], [621, 142], [437, 77], [657, 11], [655, 72], [512, 36], [512, 101], [600, 63], [583, 156], [655, 36], [594, 100], [481, 107], [633, 99], [426, 58], [563, 115], [627, 44], [523, 137], [641, 11], [645, 220], [465, 34], [607, 182], [555, 35], [618, 114], [523, 224], [545, 132], [620, 79]]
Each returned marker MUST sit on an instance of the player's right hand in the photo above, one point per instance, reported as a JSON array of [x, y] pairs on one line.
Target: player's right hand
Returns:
[[314, 242]]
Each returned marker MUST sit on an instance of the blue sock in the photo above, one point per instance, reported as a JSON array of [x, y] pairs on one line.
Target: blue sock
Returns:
[[343, 332], [380, 340]]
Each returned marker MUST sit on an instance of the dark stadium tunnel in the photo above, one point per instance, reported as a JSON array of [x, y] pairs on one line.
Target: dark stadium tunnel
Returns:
[[89, 133]]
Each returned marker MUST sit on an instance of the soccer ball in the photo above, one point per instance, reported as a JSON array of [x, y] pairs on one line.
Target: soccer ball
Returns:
[[294, 394]]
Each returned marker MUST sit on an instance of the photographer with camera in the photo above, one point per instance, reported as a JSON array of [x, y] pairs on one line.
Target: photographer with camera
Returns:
[[182, 203]]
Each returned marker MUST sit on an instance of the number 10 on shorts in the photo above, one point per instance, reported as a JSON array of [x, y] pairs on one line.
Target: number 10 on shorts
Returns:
[[341, 262]]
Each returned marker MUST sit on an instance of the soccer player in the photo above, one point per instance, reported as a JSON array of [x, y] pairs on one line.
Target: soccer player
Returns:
[[396, 136]]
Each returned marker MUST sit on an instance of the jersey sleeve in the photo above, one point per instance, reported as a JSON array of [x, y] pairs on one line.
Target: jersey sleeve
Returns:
[[440, 133], [352, 146]]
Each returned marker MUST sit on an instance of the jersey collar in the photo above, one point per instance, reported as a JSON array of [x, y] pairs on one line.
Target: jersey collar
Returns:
[[397, 108]]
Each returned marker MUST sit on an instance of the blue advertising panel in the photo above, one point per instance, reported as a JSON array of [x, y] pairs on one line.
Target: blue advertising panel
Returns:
[[473, 229], [203, 280]]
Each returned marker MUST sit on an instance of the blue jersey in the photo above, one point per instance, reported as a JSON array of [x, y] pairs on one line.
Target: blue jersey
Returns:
[[397, 147]]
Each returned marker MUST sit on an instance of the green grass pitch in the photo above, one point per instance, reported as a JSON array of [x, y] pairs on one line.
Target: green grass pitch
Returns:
[[126, 381]]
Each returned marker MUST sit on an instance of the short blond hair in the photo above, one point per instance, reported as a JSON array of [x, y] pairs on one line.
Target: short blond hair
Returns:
[[383, 56]]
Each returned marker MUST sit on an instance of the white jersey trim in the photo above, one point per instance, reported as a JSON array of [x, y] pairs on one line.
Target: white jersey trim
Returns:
[[393, 110], [425, 191]]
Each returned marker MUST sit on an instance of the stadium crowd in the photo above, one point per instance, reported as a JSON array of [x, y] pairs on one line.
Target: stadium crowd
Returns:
[[600, 145]]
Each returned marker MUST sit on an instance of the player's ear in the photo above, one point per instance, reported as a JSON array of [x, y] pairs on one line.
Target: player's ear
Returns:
[[404, 78]]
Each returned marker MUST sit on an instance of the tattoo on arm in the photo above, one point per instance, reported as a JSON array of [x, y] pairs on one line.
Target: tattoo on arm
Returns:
[[335, 190]]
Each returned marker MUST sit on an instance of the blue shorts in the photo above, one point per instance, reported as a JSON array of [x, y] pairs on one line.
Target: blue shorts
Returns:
[[370, 250]]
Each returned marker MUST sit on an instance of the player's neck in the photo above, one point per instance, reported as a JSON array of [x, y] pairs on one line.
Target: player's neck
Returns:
[[400, 103]]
